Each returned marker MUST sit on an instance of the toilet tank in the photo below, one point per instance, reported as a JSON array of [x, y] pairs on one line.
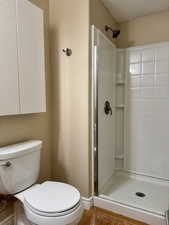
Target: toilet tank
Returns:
[[19, 166]]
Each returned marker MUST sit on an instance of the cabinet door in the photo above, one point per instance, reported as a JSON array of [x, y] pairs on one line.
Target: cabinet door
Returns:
[[9, 94], [31, 57]]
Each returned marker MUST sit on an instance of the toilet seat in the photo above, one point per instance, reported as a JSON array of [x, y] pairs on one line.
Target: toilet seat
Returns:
[[45, 214], [72, 218], [52, 199]]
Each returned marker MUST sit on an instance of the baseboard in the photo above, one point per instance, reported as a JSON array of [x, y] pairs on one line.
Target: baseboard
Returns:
[[8, 221], [87, 203]]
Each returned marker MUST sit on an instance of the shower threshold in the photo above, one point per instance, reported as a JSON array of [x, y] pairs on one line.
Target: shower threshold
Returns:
[[139, 192]]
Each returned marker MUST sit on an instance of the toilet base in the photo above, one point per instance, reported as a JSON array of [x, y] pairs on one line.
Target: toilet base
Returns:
[[21, 219]]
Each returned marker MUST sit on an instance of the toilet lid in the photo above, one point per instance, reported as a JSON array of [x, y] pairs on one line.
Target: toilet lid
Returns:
[[53, 197]]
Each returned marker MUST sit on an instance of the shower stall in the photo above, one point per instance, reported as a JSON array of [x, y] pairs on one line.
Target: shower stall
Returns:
[[130, 129]]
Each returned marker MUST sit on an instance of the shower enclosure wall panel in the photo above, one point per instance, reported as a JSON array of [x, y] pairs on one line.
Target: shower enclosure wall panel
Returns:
[[106, 76], [120, 111], [147, 121]]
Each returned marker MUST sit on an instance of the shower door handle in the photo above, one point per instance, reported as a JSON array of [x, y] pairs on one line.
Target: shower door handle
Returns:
[[107, 108]]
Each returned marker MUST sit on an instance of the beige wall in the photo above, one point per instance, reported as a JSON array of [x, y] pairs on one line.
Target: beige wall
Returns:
[[100, 16], [69, 27], [36, 126], [144, 30]]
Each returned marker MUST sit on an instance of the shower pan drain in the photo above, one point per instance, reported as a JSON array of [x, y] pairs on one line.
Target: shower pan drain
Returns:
[[140, 194]]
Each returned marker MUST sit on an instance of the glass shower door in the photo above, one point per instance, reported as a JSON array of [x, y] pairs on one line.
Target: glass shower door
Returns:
[[106, 61]]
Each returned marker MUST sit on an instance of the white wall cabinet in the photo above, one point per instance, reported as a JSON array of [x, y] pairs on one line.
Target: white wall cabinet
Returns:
[[22, 79], [31, 57], [9, 86]]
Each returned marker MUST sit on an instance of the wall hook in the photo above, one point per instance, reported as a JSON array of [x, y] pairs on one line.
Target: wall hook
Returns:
[[67, 51]]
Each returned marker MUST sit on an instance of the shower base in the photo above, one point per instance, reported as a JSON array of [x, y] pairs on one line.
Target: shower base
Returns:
[[140, 193]]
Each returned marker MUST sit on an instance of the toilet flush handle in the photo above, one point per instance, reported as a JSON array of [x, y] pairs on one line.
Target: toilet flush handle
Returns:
[[6, 164]]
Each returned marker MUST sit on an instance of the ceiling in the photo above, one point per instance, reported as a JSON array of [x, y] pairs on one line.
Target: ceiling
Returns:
[[123, 10]]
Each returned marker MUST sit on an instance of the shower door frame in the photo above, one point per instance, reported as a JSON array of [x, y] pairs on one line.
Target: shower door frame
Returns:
[[94, 110]]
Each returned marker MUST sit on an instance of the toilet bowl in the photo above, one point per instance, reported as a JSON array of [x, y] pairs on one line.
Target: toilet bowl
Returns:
[[49, 203], [52, 203]]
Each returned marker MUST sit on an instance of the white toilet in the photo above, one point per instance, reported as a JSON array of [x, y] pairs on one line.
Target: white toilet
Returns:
[[49, 203]]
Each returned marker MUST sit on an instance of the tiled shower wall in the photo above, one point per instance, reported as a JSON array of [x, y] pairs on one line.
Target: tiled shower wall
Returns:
[[142, 125], [148, 71], [146, 149]]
